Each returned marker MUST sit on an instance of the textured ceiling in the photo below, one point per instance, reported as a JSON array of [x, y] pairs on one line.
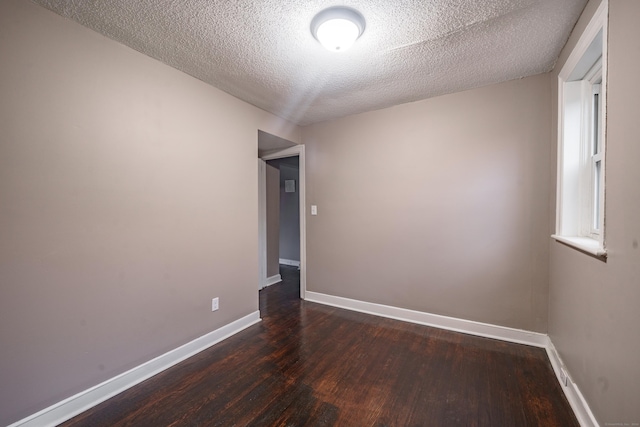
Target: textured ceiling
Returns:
[[262, 51]]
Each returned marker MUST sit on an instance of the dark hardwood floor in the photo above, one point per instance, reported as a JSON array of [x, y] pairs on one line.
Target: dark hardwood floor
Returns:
[[311, 365]]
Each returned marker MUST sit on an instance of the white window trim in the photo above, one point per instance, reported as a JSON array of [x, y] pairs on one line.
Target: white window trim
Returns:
[[585, 244], [586, 238]]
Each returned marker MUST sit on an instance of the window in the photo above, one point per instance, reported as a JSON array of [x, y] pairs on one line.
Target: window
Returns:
[[580, 218]]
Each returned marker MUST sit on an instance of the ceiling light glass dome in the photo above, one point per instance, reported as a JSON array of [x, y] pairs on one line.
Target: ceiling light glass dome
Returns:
[[337, 28]]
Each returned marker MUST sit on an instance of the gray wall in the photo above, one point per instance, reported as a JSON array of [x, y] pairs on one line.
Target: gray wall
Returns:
[[594, 307], [128, 199], [439, 205], [289, 208], [289, 214], [273, 220]]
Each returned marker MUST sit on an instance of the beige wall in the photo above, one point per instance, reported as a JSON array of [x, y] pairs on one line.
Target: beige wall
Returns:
[[594, 309], [118, 223], [128, 199], [273, 220], [438, 206]]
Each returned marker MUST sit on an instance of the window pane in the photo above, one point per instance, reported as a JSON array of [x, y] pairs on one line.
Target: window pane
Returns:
[[596, 123]]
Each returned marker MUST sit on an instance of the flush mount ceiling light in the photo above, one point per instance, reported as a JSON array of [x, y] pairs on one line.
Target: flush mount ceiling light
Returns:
[[337, 28]]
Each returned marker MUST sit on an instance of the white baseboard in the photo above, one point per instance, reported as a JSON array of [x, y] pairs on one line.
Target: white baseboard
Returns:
[[74, 405], [273, 280], [487, 330], [576, 399], [289, 262]]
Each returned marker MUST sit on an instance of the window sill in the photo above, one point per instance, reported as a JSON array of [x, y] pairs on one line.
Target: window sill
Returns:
[[584, 244]]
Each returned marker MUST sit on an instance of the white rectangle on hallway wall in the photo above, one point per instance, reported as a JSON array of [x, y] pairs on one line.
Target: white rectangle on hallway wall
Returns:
[[290, 186]]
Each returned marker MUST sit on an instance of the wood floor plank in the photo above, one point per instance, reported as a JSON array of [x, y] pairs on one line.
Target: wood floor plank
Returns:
[[312, 365]]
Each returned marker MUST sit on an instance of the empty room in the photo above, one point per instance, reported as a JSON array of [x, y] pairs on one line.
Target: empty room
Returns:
[[463, 178]]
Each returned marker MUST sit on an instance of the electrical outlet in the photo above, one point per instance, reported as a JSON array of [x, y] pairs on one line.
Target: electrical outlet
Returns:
[[564, 377], [215, 304]]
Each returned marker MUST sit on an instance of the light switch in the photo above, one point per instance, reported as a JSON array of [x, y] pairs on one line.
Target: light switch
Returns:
[[314, 210]]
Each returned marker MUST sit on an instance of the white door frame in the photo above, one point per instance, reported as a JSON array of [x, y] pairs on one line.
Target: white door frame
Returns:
[[295, 151], [262, 224]]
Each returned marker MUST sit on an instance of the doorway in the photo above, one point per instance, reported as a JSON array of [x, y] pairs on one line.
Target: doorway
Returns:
[[283, 179], [295, 151]]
